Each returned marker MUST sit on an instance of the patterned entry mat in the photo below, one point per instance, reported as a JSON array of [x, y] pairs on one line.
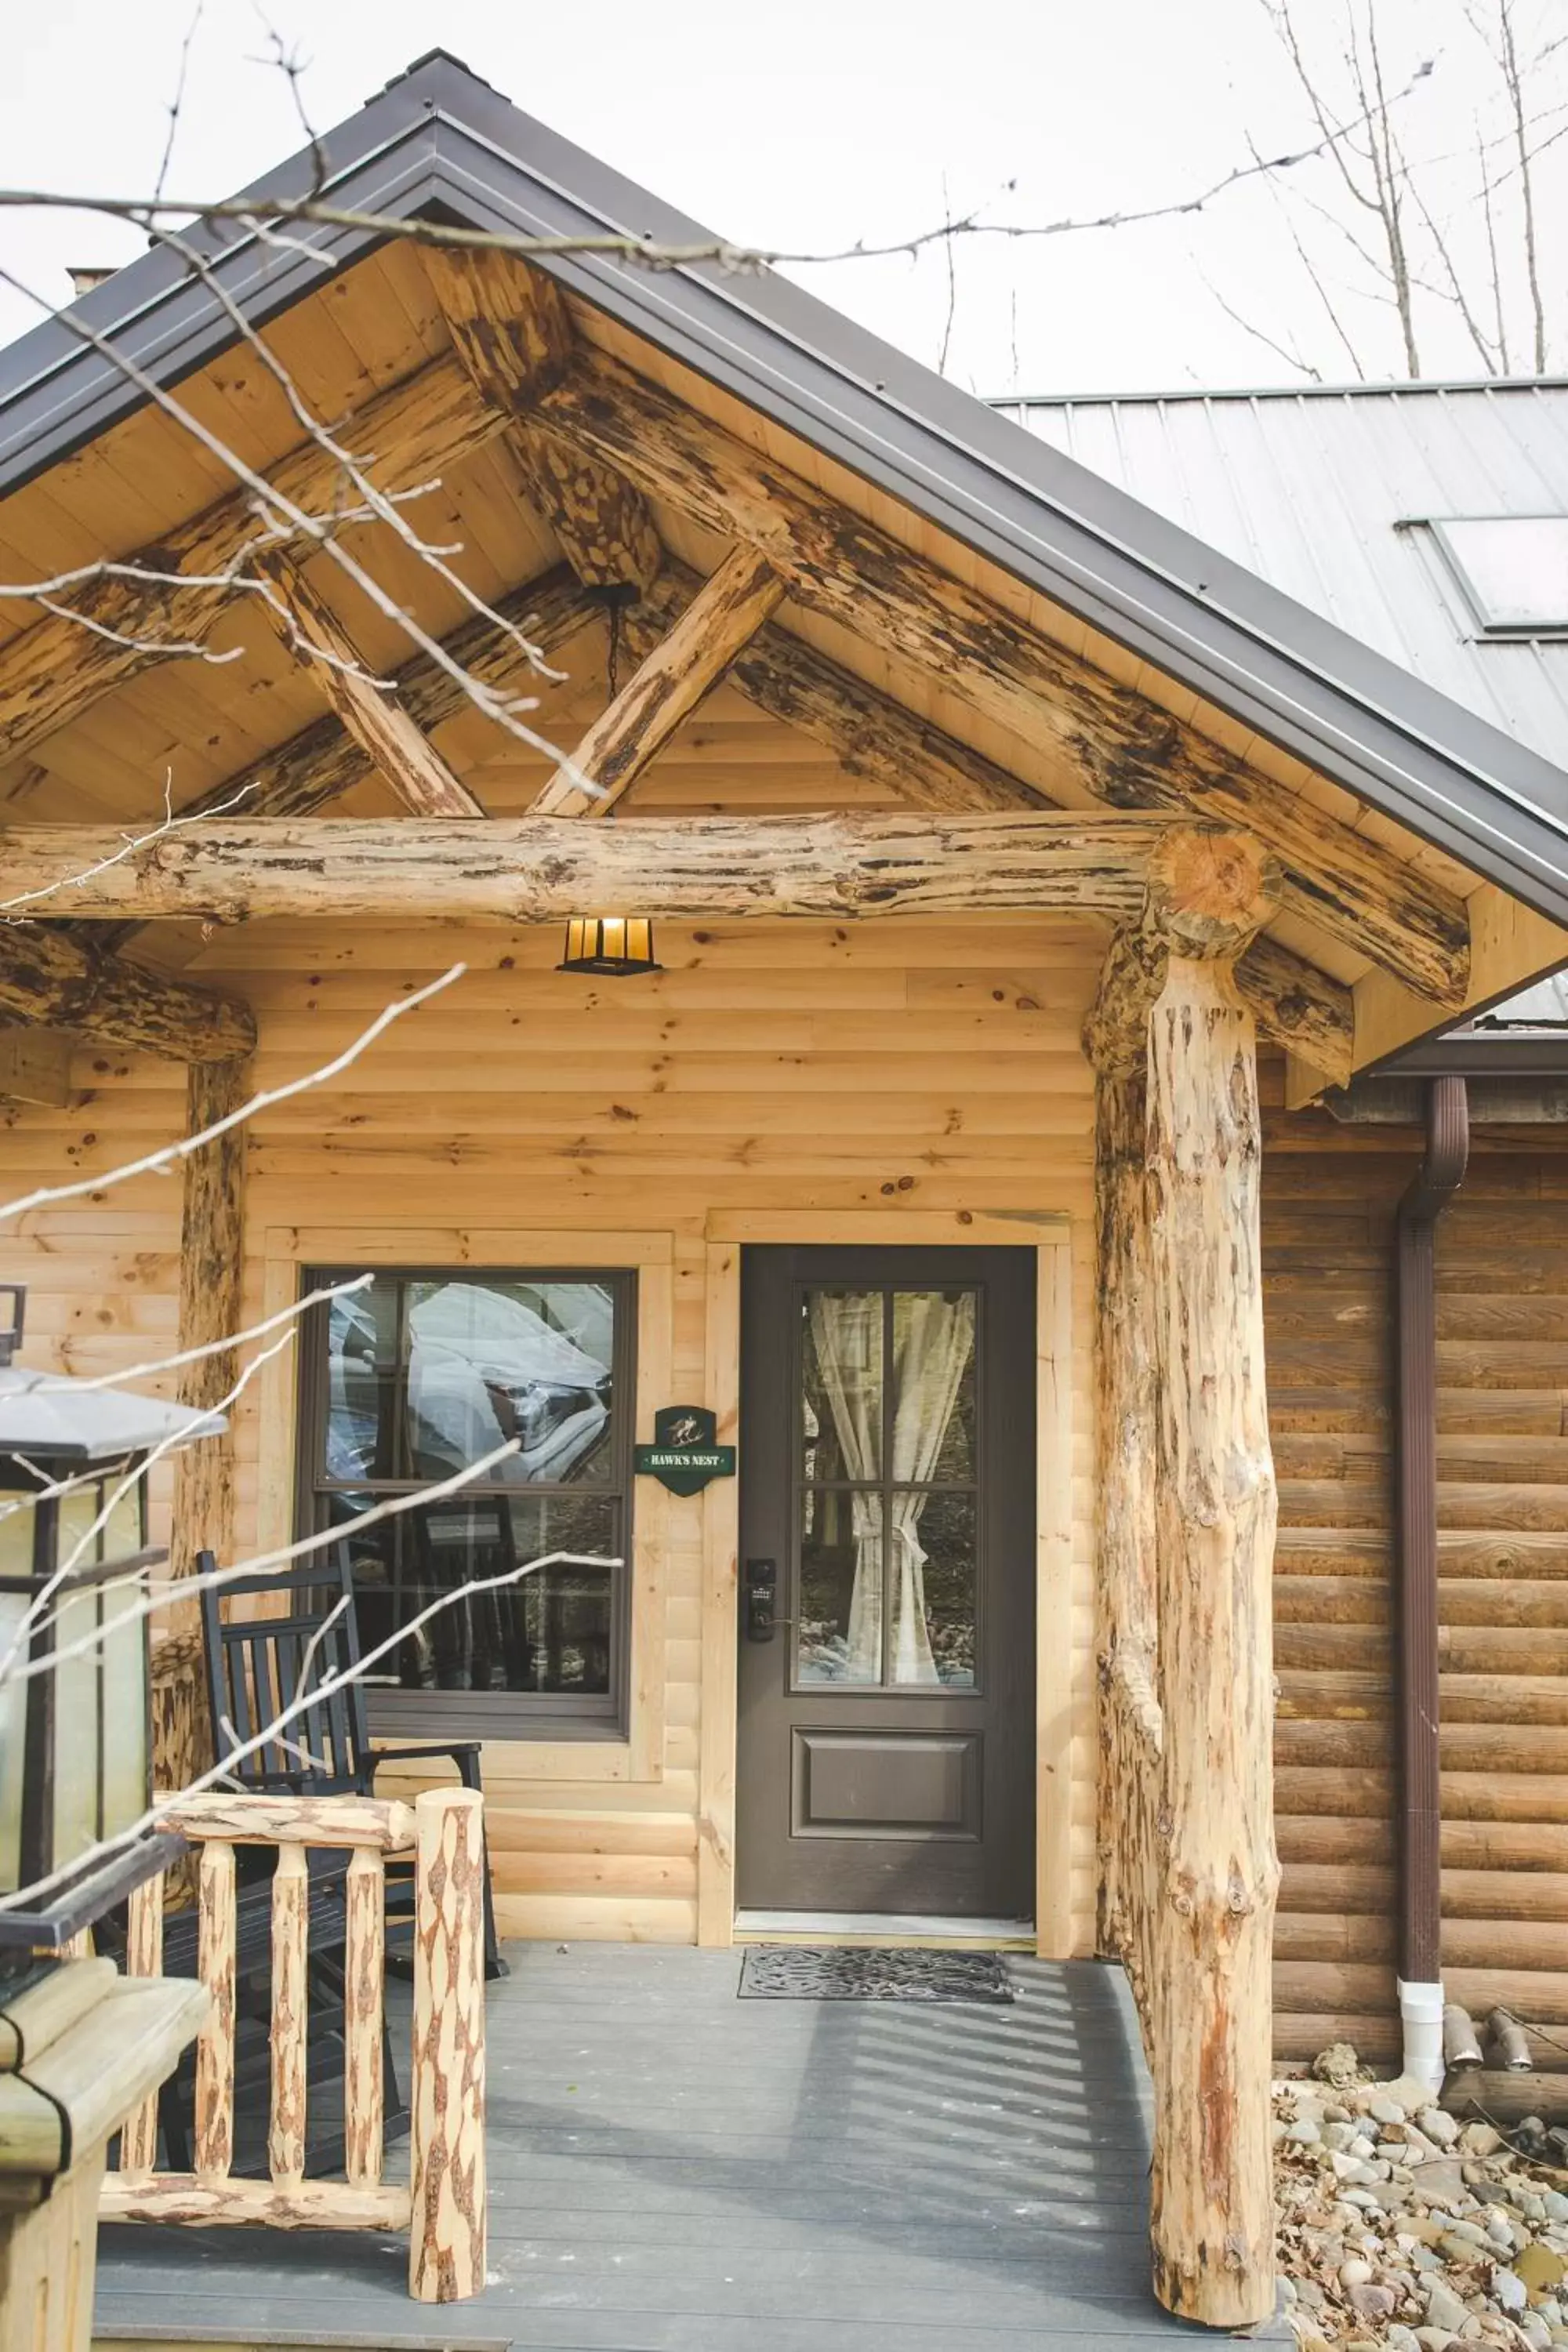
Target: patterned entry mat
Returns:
[[866, 1972]]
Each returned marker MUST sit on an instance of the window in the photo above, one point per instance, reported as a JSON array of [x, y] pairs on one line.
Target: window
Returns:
[[422, 1374], [888, 1501], [1512, 569]]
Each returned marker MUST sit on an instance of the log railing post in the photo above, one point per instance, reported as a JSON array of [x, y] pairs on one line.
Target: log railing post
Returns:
[[290, 1925], [447, 2100], [1188, 1510], [364, 1993], [143, 1958], [216, 1959]]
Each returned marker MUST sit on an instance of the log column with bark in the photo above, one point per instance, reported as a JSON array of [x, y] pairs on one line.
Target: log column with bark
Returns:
[[212, 1252], [1187, 1517]]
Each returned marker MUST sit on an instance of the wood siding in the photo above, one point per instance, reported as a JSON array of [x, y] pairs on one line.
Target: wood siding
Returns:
[[888, 1074], [1330, 1198]]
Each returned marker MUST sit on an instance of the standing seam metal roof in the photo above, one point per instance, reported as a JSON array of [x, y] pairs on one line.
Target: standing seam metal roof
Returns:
[[1308, 487]]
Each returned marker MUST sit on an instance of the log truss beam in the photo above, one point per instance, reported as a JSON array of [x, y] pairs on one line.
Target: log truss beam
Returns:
[[59, 668], [513, 353], [727, 610], [1297, 1006], [539, 869], [1128, 750], [58, 981], [367, 708]]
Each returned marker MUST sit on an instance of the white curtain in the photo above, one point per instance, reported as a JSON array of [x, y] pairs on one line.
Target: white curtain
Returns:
[[933, 1340]]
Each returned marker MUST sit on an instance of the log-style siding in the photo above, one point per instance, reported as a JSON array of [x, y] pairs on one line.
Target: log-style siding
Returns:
[[890, 1070], [1329, 1196]]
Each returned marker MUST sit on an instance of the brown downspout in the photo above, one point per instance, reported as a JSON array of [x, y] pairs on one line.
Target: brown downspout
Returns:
[[1420, 1888]]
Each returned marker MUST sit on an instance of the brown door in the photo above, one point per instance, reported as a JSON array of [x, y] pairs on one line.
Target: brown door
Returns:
[[885, 1758]]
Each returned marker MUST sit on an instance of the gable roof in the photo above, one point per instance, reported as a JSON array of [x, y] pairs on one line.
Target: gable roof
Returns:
[[438, 139]]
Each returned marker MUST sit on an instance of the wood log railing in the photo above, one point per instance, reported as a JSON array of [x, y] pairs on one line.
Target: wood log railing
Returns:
[[443, 2205]]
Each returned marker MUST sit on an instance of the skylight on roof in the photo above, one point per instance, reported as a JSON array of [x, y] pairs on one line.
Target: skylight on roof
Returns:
[[1513, 570]]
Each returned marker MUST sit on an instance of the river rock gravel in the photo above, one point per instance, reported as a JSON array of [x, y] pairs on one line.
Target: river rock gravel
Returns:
[[1402, 2227]]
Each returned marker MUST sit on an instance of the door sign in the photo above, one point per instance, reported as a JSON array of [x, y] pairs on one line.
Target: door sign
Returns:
[[684, 1454]]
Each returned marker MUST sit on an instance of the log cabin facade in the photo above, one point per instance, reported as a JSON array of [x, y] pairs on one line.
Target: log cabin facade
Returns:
[[1405, 480], [986, 820]]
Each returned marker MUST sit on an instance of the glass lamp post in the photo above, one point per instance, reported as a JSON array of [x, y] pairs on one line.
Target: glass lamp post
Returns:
[[75, 1696]]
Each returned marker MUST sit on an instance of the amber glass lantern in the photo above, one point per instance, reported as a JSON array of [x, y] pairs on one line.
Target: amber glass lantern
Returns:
[[75, 1706], [619, 945]]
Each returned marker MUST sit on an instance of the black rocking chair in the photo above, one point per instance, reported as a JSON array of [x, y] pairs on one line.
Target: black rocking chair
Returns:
[[258, 1668]]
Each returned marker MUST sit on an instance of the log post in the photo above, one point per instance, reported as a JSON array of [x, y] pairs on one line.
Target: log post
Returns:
[[1188, 1513], [447, 2100], [212, 1238]]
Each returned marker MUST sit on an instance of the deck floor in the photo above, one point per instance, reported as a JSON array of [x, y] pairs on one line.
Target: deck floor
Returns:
[[675, 2170]]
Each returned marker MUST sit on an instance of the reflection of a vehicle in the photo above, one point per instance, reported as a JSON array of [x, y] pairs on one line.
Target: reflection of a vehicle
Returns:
[[482, 1369]]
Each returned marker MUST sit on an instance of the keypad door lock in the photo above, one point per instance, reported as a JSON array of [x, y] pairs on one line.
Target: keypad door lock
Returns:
[[762, 1600]]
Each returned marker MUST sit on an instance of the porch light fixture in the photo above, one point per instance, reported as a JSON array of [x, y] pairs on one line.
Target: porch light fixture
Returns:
[[75, 1739], [619, 945]]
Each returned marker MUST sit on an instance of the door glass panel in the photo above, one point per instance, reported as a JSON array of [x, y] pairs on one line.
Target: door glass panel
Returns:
[[888, 1565], [935, 1564], [839, 1638], [841, 1402], [934, 1386]]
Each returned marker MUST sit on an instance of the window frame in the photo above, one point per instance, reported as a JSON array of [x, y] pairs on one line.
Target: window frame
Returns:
[[488, 1714], [1485, 627]]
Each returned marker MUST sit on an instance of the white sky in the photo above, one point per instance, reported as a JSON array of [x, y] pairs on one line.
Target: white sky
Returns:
[[811, 124]]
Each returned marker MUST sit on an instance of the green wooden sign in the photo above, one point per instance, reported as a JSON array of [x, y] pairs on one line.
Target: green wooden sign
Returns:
[[684, 1455]]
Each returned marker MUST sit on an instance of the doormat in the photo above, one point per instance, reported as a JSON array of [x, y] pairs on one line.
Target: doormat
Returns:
[[866, 1972]]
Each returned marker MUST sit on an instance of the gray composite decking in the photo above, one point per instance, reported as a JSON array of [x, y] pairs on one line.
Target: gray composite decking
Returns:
[[675, 2170]]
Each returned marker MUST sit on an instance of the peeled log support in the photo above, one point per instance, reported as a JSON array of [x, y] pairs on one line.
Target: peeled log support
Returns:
[[1187, 1523], [1211, 2218], [446, 2105], [212, 1248]]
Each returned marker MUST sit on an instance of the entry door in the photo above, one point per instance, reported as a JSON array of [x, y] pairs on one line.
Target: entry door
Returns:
[[885, 1758]]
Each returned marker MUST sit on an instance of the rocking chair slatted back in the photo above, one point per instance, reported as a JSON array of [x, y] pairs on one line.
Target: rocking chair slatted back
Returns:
[[261, 1668]]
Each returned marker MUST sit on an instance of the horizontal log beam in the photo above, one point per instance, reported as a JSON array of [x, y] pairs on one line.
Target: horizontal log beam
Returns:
[[65, 982], [383, 1824], [56, 669], [1300, 1007], [540, 869], [221, 2203], [367, 708], [668, 685], [1128, 750]]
